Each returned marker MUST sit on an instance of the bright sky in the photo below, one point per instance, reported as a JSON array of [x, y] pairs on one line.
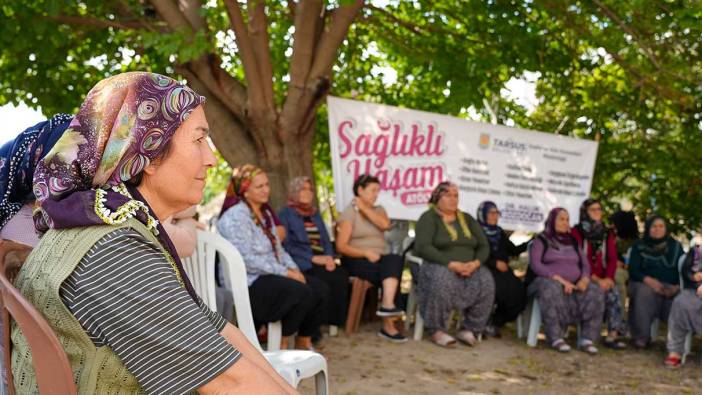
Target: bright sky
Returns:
[[17, 119]]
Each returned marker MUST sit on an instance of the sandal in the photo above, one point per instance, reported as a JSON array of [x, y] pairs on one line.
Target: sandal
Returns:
[[467, 337], [561, 346], [588, 346], [443, 339], [672, 362]]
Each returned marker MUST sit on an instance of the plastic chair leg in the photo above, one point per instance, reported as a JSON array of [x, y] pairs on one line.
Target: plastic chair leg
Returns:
[[654, 329], [321, 383], [418, 327], [520, 326], [275, 335], [534, 324]]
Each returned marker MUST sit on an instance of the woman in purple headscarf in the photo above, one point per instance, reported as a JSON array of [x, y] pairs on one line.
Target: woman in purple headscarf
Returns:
[[562, 285], [105, 274]]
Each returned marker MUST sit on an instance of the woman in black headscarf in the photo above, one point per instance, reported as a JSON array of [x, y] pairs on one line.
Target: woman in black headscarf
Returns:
[[653, 278], [510, 292]]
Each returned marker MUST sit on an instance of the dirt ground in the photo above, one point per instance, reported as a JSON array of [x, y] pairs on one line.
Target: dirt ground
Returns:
[[364, 364]]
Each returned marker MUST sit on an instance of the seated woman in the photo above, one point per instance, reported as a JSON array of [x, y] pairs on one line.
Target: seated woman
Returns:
[[510, 292], [279, 291], [453, 276], [686, 312], [653, 278], [361, 243], [309, 245], [105, 275], [562, 285], [600, 247]]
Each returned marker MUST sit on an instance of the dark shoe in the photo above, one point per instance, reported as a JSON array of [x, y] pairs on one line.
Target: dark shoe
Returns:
[[391, 312], [396, 338], [614, 344], [493, 331], [641, 343]]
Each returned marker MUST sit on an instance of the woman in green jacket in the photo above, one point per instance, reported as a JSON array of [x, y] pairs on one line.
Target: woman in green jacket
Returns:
[[454, 249]]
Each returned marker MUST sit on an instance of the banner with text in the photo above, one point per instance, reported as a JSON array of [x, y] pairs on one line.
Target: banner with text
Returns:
[[525, 173]]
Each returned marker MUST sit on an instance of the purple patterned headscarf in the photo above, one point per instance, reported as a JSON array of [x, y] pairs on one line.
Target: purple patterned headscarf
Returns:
[[124, 123]]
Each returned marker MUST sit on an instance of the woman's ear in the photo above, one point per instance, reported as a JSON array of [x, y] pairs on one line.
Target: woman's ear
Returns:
[[150, 169]]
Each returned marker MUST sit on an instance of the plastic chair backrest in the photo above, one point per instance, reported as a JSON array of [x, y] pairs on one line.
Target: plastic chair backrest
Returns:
[[201, 270], [681, 262], [51, 366]]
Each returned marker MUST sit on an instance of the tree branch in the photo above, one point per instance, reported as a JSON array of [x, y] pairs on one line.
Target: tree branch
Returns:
[[258, 33], [307, 21], [191, 11], [334, 34], [228, 133], [171, 15], [96, 22], [614, 17], [246, 53], [228, 90]]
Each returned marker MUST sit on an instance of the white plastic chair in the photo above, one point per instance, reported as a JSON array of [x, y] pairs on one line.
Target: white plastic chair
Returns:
[[292, 365]]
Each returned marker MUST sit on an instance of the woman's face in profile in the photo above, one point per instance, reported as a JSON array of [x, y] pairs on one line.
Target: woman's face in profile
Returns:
[[177, 179]]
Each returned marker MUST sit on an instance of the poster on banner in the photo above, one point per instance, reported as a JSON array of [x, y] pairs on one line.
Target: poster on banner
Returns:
[[526, 173]]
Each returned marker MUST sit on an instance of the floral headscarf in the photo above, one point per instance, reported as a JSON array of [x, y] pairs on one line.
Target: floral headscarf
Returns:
[[18, 159], [124, 123], [296, 185]]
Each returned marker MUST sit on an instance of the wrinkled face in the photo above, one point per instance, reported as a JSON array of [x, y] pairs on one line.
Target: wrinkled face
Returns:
[[177, 180], [370, 193], [306, 194], [493, 215], [657, 229], [563, 222], [448, 202], [595, 212], [259, 191]]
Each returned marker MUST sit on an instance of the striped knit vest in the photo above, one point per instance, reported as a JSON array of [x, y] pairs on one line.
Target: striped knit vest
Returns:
[[96, 370]]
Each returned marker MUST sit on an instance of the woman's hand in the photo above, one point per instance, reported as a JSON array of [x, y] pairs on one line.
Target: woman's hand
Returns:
[[655, 285], [325, 260], [697, 277], [296, 275], [606, 284], [568, 287], [373, 257], [582, 284], [468, 268], [501, 265], [670, 291], [456, 267]]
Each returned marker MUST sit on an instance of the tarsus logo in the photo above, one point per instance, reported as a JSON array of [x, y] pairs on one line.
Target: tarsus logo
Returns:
[[484, 140]]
